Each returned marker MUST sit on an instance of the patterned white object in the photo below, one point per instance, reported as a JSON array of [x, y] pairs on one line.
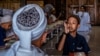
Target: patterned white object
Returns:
[[23, 47]]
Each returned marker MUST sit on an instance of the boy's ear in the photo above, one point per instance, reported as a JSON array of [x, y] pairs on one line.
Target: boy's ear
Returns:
[[44, 36]]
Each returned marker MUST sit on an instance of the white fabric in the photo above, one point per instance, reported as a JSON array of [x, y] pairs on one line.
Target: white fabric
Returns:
[[7, 12], [34, 52], [39, 29], [23, 47], [6, 18], [53, 17], [74, 11]]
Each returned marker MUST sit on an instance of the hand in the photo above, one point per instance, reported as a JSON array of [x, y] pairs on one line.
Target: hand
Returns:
[[7, 39], [66, 30]]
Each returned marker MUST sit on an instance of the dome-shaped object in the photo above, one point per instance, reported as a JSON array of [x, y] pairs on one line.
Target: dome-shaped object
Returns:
[[30, 18]]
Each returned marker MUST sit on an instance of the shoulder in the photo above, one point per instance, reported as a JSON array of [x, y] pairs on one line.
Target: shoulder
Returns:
[[81, 37]]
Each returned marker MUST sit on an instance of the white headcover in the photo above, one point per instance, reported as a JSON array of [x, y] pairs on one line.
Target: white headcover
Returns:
[[6, 18], [27, 28], [30, 18]]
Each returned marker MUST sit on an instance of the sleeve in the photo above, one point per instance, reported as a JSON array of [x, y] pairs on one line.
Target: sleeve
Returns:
[[86, 48], [87, 17]]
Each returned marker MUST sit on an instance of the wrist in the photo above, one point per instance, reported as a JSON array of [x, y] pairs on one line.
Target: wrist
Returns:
[[65, 33]]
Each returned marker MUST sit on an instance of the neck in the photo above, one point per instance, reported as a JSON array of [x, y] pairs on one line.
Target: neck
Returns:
[[73, 34], [25, 43], [37, 43]]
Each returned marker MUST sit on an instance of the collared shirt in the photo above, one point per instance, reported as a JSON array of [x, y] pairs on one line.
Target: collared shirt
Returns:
[[75, 44], [2, 36]]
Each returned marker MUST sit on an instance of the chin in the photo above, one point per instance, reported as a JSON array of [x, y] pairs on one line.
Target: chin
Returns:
[[72, 31], [6, 29]]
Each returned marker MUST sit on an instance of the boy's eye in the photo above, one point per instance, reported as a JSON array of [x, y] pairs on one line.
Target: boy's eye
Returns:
[[72, 23]]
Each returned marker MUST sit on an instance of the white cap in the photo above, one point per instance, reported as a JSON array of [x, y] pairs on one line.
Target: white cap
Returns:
[[6, 18], [30, 18]]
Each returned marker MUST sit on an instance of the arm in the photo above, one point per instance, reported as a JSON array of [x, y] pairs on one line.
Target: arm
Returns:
[[11, 37], [61, 44]]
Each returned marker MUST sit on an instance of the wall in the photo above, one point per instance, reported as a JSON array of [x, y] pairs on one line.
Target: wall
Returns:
[[39, 2], [10, 4]]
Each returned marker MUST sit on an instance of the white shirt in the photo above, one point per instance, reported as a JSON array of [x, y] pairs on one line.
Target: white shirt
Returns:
[[85, 21], [53, 17]]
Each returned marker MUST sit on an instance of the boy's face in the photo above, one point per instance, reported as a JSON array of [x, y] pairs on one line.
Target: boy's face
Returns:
[[72, 24], [6, 25]]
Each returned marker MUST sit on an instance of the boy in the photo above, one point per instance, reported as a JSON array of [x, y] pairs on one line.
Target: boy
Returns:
[[71, 42], [5, 24]]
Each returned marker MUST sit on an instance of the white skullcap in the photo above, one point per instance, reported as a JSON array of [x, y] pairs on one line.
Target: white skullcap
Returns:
[[6, 18], [30, 17]]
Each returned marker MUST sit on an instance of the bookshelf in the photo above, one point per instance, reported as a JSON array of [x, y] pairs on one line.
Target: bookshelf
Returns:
[[10, 4]]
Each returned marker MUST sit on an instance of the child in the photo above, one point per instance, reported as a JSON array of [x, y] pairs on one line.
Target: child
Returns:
[[71, 41], [5, 25]]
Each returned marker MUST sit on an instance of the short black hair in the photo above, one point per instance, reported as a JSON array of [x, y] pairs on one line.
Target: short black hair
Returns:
[[84, 7], [76, 17]]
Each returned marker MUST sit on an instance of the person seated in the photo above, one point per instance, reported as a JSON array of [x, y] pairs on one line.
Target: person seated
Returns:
[[52, 16], [5, 24]]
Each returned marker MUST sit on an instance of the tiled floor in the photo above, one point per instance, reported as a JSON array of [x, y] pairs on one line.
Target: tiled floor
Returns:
[[94, 44]]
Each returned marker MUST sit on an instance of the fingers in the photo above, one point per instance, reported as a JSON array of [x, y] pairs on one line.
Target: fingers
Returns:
[[66, 29], [65, 24]]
